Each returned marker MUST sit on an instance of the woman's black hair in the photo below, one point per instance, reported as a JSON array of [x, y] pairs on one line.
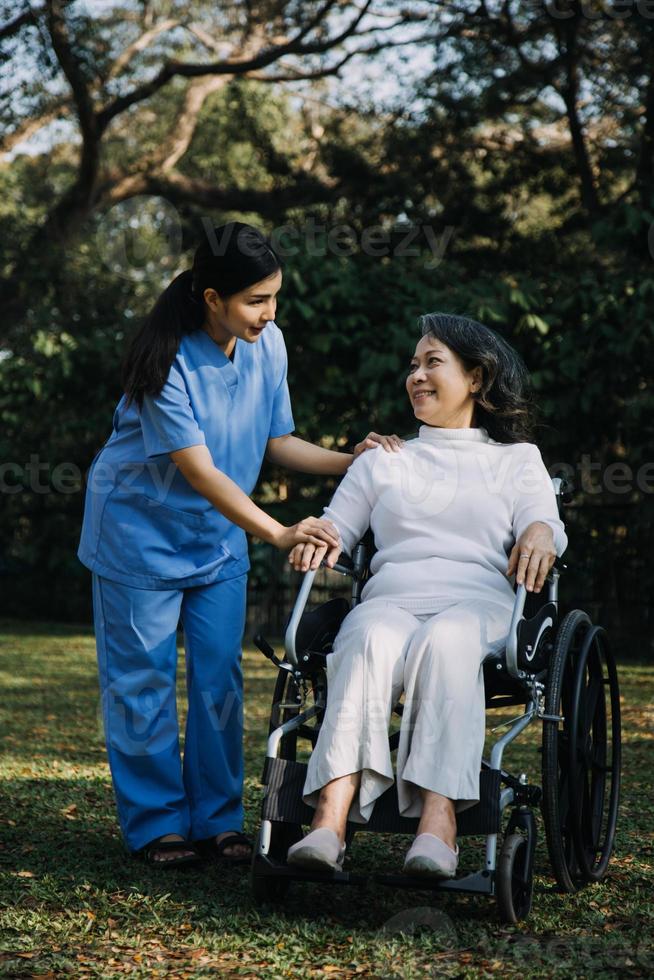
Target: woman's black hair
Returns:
[[503, 402], [231, 258]]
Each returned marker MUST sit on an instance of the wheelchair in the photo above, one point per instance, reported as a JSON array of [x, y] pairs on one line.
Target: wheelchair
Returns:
[[559, 670]]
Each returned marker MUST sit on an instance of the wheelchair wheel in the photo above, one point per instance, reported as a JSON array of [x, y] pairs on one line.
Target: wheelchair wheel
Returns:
[[557, 778], [595, 754], [515, 883]]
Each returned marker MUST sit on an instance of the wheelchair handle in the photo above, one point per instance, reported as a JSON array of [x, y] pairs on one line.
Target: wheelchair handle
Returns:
[[296, 615]]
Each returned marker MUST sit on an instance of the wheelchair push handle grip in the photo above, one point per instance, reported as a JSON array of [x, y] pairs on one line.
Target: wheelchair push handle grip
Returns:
[[262, 643], [344, 564], [355, 565]]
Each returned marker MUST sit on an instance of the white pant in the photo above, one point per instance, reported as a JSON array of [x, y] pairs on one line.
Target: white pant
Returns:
[[436, 659]]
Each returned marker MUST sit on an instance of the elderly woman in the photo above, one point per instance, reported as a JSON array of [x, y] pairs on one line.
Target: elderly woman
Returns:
[[446, 511]]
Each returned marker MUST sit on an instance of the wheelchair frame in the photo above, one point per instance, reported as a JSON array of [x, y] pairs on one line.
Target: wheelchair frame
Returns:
[[545, 670]]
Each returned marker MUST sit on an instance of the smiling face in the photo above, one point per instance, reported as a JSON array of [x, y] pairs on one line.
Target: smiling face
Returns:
[[439, 386], [243, 315]]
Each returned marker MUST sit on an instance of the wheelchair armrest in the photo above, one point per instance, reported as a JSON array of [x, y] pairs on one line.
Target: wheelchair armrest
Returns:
[[521, 596], [512, 638]]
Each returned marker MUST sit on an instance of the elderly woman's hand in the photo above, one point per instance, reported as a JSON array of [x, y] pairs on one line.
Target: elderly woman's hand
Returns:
[[308, 556], [532, 556]]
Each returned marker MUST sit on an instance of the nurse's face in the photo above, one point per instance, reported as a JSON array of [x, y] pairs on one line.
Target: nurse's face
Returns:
[[440, 388], [245, 314]]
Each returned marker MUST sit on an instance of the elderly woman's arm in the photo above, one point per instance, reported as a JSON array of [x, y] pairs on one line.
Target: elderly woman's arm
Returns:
[[537, 528], [350, 509]]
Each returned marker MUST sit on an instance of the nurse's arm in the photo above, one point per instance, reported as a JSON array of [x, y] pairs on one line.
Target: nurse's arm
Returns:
[[297, 454], [197, 467]]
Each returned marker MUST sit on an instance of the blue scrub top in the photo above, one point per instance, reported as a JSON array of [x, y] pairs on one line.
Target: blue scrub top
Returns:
[[144, 525]]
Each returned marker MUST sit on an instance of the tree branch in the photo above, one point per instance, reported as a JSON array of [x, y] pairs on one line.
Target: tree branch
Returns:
[[178, 188], [182, 132], [28, 16], [71, 68], [569, 93], [30, 126], [297, 75], [73, 206], [140, 44], [233, 66], [205, 38]]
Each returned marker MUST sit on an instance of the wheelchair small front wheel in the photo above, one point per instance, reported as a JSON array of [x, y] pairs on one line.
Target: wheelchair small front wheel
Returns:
[[515, 882]]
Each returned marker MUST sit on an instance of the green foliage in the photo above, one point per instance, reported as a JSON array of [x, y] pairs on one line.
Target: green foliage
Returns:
[[351, 326], [479, 160]]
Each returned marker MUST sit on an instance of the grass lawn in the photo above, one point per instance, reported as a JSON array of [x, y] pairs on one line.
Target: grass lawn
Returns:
[[74, 904]]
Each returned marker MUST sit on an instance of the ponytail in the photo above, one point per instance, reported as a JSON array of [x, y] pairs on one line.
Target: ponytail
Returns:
[[153, 349]]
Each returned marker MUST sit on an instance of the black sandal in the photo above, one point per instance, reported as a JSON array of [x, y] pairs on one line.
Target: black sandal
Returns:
[[218, 850], [159, 846]]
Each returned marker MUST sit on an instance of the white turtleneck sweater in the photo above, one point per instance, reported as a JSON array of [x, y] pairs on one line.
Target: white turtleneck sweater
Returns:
[[445, 512]]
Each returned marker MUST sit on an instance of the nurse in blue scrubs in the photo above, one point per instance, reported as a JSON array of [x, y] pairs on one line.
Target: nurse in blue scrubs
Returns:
[[167, 508]]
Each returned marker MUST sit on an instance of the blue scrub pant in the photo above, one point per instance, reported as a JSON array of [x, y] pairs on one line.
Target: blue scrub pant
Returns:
[[137, 660]]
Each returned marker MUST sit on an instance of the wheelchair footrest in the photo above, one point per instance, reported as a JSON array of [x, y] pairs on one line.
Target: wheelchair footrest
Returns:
[[477, 882], [283, 802], [266, 868]]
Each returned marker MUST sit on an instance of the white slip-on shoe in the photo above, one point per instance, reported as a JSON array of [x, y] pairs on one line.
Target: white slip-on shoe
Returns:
[[320, 849], [429, 855]]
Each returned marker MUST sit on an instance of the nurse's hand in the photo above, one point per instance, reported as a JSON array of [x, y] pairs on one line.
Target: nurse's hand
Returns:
[[309, 556], [312, 530], [390, 443]]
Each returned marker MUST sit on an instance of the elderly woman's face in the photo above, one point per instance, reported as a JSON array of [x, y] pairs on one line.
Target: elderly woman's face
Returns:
[[440, 388]]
